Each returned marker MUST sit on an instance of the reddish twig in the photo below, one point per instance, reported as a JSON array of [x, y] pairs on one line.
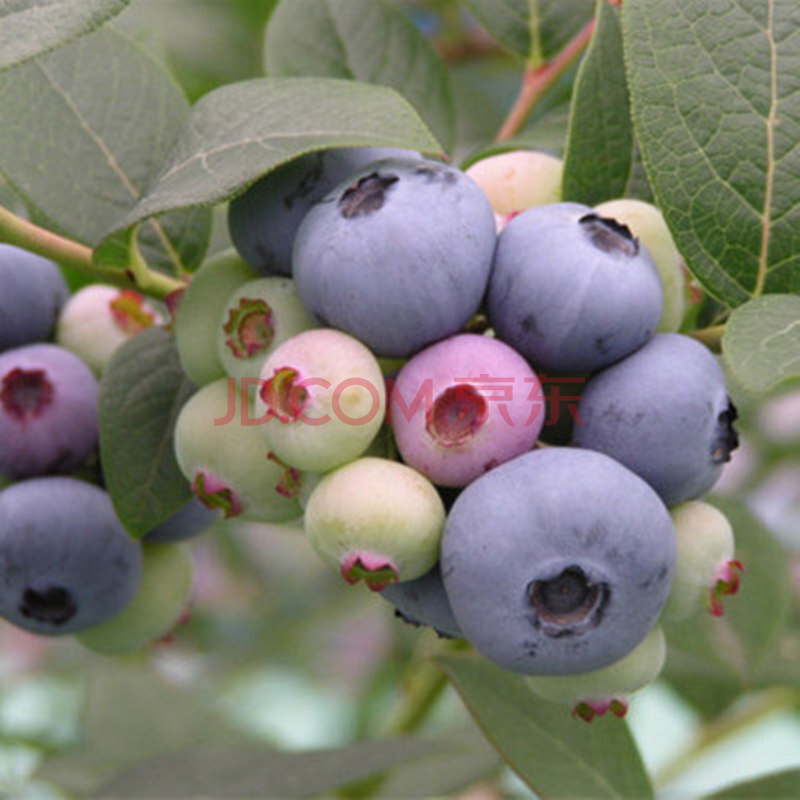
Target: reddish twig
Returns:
[[537, 80]]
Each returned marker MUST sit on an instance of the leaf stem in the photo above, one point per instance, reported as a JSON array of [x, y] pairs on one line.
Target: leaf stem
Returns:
[[711, 336], [71, 254], [148, 280], [536, 80], [22, 233]]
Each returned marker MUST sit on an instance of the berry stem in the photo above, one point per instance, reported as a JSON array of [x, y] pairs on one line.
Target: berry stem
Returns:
[[19, 232], [711, 336], [71, 254], [425, 685], [148, 280], [536, 80]]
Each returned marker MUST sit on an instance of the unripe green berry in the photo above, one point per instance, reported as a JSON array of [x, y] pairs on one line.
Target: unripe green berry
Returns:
[[705, 569], [97, 319], [199, 308], [591, 694], [518, 180], [221, 452], [376, 519], [258, 317], [321, 400]]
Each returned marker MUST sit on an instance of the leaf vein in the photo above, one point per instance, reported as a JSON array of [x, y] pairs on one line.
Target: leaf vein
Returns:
[[93, 135], [770, 183]]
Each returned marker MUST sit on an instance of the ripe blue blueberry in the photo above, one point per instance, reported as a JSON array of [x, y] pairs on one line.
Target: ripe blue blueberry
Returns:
[[398, 255], [264, 220], [423, 601], [557, 562], [66, 562], [571, 290], [663, 412], [32, 291], [647, 224], [48, 411]]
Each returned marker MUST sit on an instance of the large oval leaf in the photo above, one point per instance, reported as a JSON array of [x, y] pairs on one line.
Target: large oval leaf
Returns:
[[599, 152], [250, 772], [556, 755], [82, 131], [779, 785], [239, 132], [141, 394], [365, 40], [29, 28], [717, 116], [761, 344]]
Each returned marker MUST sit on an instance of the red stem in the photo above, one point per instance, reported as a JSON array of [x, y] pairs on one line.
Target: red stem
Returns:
[[537, 80]]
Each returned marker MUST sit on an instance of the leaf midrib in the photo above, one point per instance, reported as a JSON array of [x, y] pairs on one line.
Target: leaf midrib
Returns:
[[113, 163], [766, 220], [84, 124]]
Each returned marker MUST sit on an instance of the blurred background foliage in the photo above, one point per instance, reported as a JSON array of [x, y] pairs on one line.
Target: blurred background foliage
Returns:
[[279, 656]]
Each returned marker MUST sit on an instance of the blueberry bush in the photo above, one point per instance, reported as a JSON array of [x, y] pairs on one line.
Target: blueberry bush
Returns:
[[399, 398]]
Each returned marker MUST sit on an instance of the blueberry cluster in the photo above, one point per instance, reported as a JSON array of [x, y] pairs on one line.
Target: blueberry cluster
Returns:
[[67, 565], [374, 358]]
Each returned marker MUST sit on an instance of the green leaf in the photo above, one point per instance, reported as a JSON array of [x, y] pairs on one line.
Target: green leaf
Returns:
[[781, 785], [260, 772], [556, 755], [717, 116], [133, 713], [531, 29], [506, 21], [599, 151], [364, 40], [761, 344], [559, 21], [141, 393], [29, 28], [82, 131], [782, 667], [464, 758], [207, 43], [638, 186], [726, 654], [238, 133], [42, 710]]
